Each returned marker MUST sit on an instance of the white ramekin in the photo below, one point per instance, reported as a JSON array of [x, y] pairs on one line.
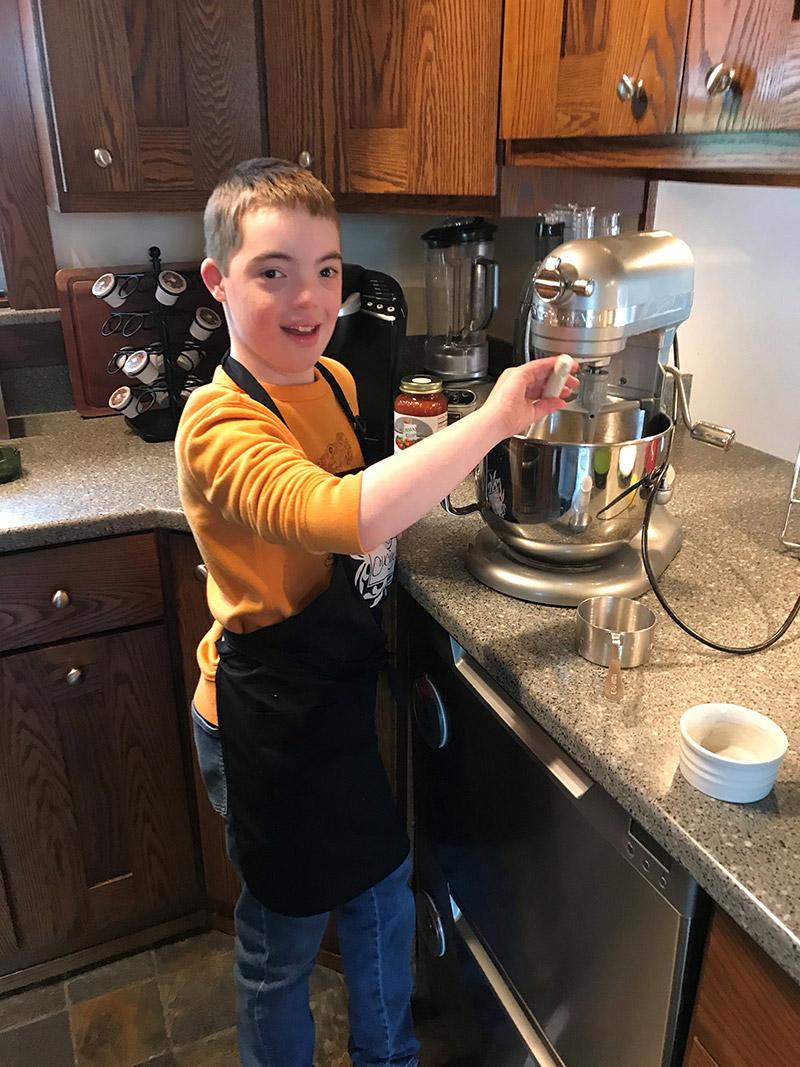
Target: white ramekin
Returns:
[[730, 752]]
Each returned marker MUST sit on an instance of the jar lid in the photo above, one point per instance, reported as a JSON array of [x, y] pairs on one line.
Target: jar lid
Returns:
[[421, 384]]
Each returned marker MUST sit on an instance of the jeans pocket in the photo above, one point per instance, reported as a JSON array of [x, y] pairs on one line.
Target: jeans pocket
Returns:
[[208, 743]]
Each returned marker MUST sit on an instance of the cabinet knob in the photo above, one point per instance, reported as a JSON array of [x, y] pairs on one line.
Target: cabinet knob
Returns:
[[720, 79], [60, 599], [305, 159], [74, 675], [633, 92], [201, 572], [102, 157]]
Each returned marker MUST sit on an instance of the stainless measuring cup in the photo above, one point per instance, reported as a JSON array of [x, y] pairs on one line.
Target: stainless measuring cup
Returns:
[[614, 632]]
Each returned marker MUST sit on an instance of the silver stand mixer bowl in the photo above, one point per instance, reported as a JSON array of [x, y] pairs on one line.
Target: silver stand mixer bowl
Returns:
[[563, 509]]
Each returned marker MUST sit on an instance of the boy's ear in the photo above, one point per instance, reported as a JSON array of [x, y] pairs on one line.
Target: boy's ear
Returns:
[[214, 279]]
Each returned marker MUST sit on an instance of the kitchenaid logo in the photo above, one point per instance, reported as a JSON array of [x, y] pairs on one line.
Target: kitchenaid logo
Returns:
[[375, 572], [496, 494]]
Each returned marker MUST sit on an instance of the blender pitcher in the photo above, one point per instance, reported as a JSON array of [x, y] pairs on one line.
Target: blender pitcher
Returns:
[[461, 294]]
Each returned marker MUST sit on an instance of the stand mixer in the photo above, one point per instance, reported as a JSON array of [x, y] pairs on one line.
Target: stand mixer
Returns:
[[564, 503]]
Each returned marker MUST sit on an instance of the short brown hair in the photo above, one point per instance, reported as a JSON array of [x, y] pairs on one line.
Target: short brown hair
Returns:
[[253, 184]]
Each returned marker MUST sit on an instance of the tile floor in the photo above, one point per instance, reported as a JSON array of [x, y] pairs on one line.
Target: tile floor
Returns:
[[172, 1006]]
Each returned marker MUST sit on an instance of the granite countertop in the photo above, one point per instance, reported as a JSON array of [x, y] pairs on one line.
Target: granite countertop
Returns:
[[732, 580]]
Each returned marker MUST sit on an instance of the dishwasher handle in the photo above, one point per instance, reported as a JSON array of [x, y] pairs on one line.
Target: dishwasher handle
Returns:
[[559, 765], [541, 1055]]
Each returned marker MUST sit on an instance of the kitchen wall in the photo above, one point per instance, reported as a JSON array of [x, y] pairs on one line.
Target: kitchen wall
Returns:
[[742, 341], [390, 243]]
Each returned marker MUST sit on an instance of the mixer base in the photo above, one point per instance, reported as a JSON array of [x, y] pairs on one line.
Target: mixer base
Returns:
[[496, 565]]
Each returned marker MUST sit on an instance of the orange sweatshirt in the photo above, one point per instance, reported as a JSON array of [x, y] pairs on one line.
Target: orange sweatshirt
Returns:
[[263, 502]]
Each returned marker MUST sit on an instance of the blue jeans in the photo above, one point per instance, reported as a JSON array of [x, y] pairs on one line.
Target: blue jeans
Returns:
[[275, 955]]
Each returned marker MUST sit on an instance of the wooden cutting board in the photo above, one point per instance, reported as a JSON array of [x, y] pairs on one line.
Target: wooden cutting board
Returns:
[[89, 352]]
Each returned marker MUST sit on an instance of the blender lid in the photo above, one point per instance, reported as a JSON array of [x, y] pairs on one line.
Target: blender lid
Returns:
[[457, 231]]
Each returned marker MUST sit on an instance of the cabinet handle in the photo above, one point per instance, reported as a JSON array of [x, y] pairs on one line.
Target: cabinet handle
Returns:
[[305, 159], [201, 572], [74, 675], [102, 157], [720, 79], [60, 599], [633, 92]]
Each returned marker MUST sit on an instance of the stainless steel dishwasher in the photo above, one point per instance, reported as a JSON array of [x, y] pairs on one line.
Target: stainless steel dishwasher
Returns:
[[554, 930]]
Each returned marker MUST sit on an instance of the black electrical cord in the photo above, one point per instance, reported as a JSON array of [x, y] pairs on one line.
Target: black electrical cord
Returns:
[[654, 483]]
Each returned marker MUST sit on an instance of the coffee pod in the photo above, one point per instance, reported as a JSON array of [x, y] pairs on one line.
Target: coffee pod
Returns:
[[117, 361], [189, 387], [189, 358], [115, 291], [146, 366], [170, 286], [124, 402], [204, 324]]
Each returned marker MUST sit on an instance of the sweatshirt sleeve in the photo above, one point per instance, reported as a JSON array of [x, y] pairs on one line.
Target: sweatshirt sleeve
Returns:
[[249, 468]]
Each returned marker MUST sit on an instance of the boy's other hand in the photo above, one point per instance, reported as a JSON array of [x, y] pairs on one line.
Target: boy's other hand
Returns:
[[516, 400]]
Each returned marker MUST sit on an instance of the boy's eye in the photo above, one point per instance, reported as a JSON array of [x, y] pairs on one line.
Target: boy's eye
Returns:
[[329, 272], [272, 273]]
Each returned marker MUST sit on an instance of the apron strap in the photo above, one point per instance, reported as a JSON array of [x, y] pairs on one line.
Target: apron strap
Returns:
[[358, 424], [246, 381]]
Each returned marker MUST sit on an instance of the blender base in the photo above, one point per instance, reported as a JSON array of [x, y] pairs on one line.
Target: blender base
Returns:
[[496, 565]]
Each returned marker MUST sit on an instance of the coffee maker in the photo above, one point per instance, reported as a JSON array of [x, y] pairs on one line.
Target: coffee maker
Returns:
[[564, 503], [461, 294], [368, 339]]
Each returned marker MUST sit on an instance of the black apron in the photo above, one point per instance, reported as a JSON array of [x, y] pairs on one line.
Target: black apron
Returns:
[[311, 810]]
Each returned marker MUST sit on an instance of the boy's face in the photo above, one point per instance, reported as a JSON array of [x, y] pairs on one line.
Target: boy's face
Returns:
[[282, 292]]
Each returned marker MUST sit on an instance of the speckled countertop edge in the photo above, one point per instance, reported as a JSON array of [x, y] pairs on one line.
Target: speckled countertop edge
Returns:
[[14, 317], [94, 478]]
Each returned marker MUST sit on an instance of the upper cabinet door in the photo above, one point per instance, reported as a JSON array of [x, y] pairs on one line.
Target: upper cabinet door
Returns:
[[742, 66], [386, 96], [565, 61], [149, 97]]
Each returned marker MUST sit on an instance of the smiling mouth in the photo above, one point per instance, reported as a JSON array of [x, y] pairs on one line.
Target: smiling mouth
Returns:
[[301, 331]]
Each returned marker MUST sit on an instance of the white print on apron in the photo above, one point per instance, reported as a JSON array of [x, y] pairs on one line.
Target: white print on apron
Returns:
[[375, 572]]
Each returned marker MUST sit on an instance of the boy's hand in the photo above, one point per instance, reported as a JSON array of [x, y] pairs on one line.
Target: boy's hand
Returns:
[[516, 400]]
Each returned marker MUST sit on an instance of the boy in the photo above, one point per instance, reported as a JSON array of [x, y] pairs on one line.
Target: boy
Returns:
[[271, 480]]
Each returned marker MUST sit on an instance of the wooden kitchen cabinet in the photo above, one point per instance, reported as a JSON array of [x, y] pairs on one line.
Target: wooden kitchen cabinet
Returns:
[[760, 43], [386, 96], [142, 105], [563, 60], [747, 1011], [95, 835]]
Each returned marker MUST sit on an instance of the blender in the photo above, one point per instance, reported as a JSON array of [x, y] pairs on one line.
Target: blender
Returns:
[[461, 295]]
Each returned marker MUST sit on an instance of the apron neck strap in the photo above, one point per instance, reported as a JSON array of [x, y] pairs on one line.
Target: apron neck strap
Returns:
[[246, 381]]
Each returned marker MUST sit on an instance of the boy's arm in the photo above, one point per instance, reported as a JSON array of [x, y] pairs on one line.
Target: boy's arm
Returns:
[[402, 488]]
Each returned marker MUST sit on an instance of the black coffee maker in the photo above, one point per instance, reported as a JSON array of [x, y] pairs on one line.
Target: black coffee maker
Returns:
[[368, 339]]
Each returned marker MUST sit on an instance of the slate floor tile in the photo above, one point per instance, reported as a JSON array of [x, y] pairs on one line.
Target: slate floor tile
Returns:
[[193, 952], [111, 976], [218, 1051], [119, 1029], [46, 1041], [17, 1008], [328, 997], [199, 998]]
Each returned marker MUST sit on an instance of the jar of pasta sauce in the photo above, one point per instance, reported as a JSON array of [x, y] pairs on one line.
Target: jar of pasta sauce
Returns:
[[420, 410]]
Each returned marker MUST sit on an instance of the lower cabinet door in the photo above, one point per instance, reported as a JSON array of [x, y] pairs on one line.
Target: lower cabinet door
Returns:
[[95, 836]]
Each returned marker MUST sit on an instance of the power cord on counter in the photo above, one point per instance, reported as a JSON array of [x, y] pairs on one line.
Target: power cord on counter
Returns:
[[652, 485]]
